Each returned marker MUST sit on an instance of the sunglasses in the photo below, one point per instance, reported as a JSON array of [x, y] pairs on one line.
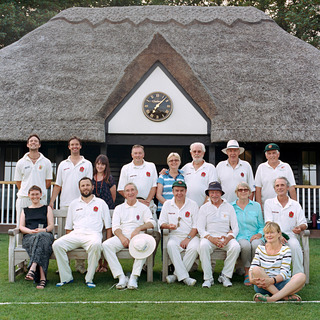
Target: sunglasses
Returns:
[[243, 190]]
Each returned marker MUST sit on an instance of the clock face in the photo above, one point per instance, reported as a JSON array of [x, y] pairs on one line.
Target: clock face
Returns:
[[157, 106]]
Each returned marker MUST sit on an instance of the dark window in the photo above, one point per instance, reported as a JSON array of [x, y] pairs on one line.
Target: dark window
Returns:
[[247, 156], [11, 158], [309, 168]]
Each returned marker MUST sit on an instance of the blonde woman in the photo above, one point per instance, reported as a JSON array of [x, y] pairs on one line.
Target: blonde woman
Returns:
[[250, 222], [165, 181], [270, 270]]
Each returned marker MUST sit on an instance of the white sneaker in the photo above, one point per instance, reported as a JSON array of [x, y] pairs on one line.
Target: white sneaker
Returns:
[[190, 281], [171, 278], [224, 280], [208, 283], [123, 281], [133, 283]]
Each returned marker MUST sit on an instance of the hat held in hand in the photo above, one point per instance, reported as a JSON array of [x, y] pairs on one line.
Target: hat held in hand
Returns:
[[142, 246]]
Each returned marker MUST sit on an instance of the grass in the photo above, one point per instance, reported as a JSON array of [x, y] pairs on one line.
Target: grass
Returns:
[[24, 292]]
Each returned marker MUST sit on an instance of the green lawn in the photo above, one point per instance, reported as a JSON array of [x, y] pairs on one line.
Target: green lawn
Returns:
[[25, 292]]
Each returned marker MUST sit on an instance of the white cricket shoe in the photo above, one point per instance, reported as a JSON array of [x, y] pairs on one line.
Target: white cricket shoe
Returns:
[[133, 283], [123, 281], [224, 280], [208, 283], [171, 278], [190, 281]]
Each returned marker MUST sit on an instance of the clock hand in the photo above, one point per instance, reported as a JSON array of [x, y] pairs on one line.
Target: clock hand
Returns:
[[158, 105]]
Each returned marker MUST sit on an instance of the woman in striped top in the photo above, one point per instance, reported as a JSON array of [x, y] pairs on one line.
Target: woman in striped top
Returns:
[[165, 181], [270, 270]]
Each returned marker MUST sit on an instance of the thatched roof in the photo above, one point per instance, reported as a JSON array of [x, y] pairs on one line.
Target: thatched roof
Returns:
[[252, 79]]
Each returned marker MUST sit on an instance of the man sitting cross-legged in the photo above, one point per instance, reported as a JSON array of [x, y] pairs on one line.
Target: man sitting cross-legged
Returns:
[[179, 215], [128, 220]]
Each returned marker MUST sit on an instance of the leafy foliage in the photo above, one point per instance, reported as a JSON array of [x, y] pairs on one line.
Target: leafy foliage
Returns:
[[298, 17]]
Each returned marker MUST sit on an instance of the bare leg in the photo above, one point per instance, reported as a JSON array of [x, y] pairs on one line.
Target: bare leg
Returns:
[[31, 273], [295, 284], [43, 280], [33, 266], [42, 274], [258, 272]]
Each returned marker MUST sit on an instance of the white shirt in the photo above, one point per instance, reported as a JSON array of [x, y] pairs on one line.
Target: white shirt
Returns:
[[230, 177], [286, 217], [68, 178], [266, 175], [186, 217], [127, 218], [144, 177], [197, 181], [88, 218], [217, 222], [33, 174]]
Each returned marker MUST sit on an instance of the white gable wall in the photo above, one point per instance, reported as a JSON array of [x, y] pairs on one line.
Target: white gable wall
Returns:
[[185, 119]]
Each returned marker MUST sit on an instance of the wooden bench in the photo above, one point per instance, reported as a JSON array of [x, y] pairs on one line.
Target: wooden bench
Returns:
[[219, 254], [18, 256]]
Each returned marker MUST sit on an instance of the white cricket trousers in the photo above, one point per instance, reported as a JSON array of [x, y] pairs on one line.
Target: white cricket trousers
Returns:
[[90, 242], [110, 248], [207, 247], [296, 253], [182, 266]]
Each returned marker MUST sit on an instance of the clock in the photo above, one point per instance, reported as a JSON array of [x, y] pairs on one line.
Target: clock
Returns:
[[157, 106]]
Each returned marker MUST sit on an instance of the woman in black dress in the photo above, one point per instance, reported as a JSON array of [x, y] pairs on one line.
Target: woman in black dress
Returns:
[[104, 188], [36, 223]]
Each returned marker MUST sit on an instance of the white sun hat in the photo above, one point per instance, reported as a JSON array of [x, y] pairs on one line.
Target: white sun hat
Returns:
[[142, 246], [233, 144]]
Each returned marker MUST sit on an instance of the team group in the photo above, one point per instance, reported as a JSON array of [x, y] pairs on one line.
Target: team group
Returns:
[[203, 206]]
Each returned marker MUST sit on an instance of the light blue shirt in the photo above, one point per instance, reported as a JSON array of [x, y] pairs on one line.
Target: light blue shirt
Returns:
[[250, 220]]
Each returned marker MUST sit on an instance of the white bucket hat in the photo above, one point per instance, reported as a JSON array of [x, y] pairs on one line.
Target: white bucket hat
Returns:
[[142, 246], [233, 144]]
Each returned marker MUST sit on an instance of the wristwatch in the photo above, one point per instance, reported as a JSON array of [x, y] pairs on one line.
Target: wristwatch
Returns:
[[189, 237]]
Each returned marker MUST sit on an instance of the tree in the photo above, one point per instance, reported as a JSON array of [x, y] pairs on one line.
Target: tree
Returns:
[[298, 17]]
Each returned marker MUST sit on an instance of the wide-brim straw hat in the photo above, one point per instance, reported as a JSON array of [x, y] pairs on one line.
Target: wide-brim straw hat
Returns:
[[233, 144], [142, 246]]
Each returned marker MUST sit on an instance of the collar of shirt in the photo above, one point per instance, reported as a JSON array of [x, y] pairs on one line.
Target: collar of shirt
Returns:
[[179, 172], [133, 206], [238, 164], [288, 204], [26, 157], [203, 165], [80, 162], [173, 203], [222, 204], [139, 167], [280, 163], [234, 203], [93, 199]]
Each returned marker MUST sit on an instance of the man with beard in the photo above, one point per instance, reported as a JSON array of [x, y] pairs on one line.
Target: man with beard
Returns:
[[70, 171], [198, 174], [85, 220]]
